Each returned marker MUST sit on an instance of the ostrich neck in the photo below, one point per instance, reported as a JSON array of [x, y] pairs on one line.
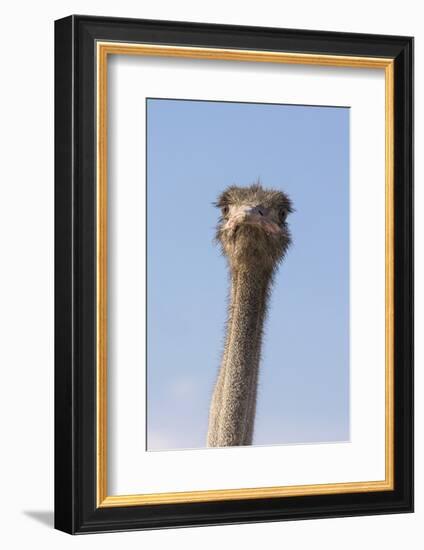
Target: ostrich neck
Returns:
[[241, 356]]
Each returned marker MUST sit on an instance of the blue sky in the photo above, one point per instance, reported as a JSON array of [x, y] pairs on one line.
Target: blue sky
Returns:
[[194, 150]]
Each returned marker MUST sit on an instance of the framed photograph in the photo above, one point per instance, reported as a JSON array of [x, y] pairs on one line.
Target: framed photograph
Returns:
[[234, 274]]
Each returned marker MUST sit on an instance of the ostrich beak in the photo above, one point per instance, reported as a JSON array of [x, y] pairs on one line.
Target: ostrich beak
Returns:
[[254, 215], [258, 211]]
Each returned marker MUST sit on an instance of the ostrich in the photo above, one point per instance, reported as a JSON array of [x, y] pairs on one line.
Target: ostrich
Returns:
[[253, 235]]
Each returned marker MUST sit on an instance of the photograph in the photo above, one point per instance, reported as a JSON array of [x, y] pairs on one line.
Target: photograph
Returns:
[[247, 274], [233, 260], [211, 269]]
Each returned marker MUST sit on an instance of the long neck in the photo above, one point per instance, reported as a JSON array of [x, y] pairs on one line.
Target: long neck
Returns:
[[239, 369]]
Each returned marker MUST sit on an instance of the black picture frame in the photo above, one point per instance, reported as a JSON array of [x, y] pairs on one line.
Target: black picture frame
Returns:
[[76, 509]]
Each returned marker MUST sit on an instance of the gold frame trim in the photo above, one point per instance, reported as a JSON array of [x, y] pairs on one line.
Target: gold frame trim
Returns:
[[120, 48]]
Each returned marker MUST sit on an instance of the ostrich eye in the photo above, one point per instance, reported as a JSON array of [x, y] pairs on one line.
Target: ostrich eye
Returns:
[[282, 214], [225, 210]]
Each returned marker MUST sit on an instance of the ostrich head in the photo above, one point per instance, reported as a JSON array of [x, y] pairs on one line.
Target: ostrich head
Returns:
[[252, 230]]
